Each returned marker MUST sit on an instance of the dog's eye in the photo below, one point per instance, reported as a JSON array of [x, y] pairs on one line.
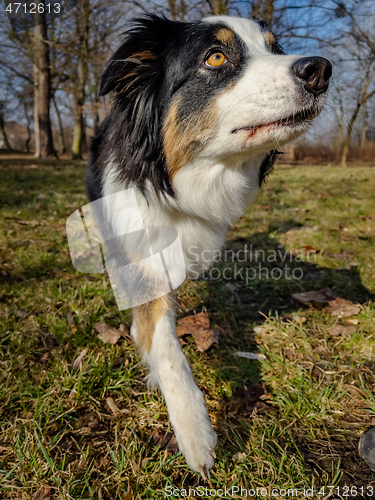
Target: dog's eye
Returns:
[[216, 59]]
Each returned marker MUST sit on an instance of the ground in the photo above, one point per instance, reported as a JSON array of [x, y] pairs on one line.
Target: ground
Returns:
[[291, 419]]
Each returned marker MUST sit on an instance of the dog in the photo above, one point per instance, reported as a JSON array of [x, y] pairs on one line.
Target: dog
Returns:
[[199, 110]]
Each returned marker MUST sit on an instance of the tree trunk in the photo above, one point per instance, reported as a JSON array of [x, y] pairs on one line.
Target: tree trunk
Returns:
[[78, 129], [268, 10], [27, 144], [44, 88], [36, 111], [218, 7], [79, 135], [61, 128], [365, 126], [6, 140], [345, 149]]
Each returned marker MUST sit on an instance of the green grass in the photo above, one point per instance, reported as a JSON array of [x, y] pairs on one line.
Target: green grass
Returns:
[[56, 428]]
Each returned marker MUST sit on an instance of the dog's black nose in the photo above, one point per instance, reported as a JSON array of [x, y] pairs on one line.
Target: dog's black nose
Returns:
[[315, 71]]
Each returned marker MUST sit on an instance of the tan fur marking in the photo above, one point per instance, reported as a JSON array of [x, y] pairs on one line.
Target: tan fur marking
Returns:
[[184, 139], [146, 316], [225, 35], [269, 38], [144, 55]]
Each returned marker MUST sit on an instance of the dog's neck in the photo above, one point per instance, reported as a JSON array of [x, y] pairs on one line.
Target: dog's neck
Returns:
[[217, 192]]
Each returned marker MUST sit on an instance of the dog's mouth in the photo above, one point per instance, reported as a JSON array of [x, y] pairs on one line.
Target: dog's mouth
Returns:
[[292, 121]]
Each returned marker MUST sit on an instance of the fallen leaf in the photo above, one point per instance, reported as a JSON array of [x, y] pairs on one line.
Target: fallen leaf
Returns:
[[78, 361], [349, 266], [107, 334], [125, 332], [128, 496], [289, 354], [166, 440], [337, 330], [110, 335], [20, 313], [250, 355], [88, 277], [250, 397], [113, 406], [237, 457], [310, 249], [43, 493], [353, 321], [318, 297], [28, 222], [198, 326], [343, 308]]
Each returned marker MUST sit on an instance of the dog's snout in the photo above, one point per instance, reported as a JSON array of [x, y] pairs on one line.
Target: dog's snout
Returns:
[[315, 72]]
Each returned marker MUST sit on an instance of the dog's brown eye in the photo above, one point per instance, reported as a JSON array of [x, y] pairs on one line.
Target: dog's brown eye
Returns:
[[216, 59]]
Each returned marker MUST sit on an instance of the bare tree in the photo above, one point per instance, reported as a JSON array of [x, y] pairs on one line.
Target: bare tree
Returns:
[[43, 84]]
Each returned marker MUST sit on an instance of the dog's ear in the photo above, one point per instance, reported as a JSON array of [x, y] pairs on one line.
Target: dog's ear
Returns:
[[136, 77], [136, 60]]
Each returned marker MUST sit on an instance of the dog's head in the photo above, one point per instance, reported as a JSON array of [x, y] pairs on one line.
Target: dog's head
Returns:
[[220, 88]]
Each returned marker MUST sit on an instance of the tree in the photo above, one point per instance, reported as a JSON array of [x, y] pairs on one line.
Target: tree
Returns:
[[43, 85]]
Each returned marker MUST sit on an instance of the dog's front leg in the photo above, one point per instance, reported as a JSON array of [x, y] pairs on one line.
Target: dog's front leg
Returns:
[[154, 332]]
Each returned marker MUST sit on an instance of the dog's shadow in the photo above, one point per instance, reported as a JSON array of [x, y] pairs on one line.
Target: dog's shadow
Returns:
[[255, 282]]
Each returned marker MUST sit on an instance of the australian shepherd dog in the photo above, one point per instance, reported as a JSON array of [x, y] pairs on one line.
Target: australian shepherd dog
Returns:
[[199, 110]]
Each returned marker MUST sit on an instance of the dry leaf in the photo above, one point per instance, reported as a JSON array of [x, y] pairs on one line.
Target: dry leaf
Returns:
[[43, 493], [349, 266], [78, 361], [166, 440], [113, 406], [28, 222], [334, 331], [20, 313], [107, 334], [198, 326], [125, 331], [353, 321], [110, 335], [128, 496], [237, 457], [343, 308], [315, 298], [310, 249], [250, 355]]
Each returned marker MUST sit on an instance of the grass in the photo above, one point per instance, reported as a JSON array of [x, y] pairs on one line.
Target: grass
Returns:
[[319, 388]]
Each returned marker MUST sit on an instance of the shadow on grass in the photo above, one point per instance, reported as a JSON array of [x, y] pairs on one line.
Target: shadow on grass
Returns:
[[255, 281]]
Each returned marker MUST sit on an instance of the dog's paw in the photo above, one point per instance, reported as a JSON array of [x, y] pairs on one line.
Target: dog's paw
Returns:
[[197, 443]]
